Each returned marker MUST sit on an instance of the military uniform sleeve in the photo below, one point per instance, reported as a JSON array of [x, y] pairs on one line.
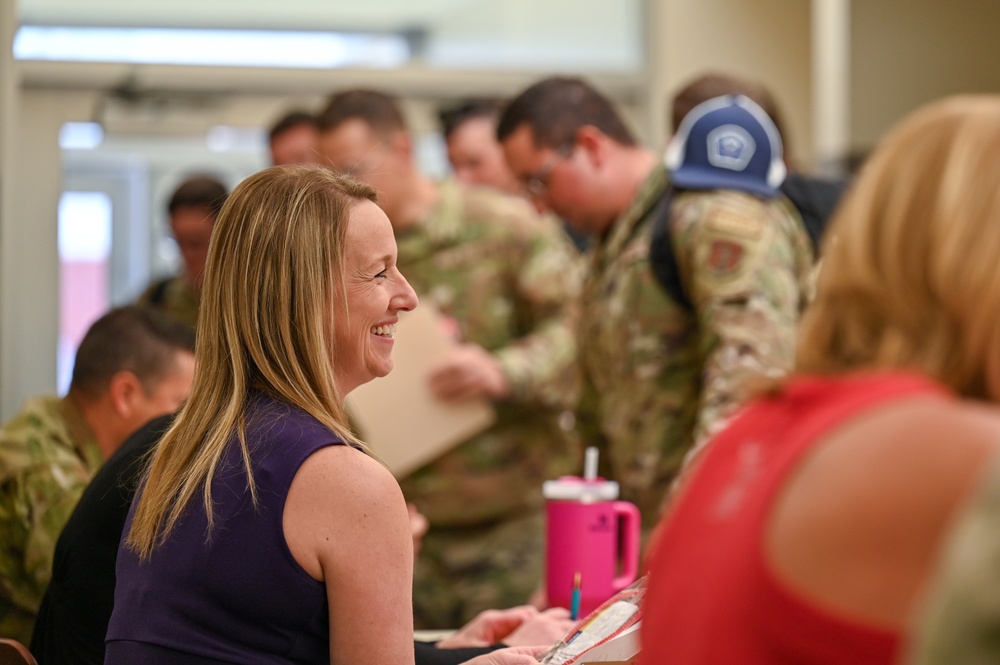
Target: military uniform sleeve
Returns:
[[745, 270], [50, 494], [540, 364], [35, 503], [960, 622]]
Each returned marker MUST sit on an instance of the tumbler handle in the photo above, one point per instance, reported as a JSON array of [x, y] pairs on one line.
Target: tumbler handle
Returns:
[[628, 515]]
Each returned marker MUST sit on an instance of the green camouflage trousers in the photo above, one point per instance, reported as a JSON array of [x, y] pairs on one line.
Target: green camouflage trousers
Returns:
[[463, 571]]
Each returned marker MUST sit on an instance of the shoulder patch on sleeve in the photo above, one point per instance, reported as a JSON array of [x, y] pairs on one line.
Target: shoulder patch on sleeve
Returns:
[[724, 257]]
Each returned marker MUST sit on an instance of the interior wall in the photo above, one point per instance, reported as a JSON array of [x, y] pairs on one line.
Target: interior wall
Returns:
[[765, 40], [905, 53], [30, 276], [9, 94]]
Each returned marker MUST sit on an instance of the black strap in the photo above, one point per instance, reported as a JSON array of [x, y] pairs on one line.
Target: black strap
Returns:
[[662, 258], [815, 199]]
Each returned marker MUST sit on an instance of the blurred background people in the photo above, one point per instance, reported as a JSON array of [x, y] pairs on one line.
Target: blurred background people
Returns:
[[814, 198], [812, 525], [132, 365], [476, 157], [660, 369], [732, 251], [193, 208], [506, 279], [292, 139]]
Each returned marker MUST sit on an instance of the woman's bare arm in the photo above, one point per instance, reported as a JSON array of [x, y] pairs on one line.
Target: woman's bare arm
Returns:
[[346, 524]]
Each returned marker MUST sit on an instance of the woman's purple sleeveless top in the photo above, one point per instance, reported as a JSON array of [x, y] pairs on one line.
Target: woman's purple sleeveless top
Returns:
[[236, 594]]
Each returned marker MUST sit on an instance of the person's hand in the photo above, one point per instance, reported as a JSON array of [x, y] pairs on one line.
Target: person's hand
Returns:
[[512, 656], [489, 627], [544, 628], [418, 527], [539, 598], [468, 371]]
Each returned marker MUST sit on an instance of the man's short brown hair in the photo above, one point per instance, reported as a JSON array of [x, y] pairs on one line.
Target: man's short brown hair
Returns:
[[556, 108], [379, 110], [130, 338], [199, 191]]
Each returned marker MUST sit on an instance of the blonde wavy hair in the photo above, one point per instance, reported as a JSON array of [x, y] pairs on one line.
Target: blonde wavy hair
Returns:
[[911, 273], [266, 322]]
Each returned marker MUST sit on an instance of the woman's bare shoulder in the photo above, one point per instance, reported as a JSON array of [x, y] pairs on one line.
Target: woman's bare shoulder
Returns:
[[921, 438], [859, 524], [345, 471], [342, 502]]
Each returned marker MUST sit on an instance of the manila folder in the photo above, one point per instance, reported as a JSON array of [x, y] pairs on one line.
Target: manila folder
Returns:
[[398, 417]]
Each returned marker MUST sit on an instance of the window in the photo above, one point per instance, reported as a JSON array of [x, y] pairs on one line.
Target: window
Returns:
[[84, 257]]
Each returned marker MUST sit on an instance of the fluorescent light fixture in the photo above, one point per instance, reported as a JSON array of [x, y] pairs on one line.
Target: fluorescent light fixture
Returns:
[[239, 48], [80, 135]]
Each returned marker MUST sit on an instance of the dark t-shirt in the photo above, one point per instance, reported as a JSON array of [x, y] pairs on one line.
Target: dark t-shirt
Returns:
[[233, 592], [77, 605]]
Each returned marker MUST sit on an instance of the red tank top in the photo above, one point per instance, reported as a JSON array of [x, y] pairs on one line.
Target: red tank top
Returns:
[[712, 597]]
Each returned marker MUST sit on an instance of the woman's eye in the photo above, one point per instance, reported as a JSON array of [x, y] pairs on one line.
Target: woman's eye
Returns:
[[382, 275]]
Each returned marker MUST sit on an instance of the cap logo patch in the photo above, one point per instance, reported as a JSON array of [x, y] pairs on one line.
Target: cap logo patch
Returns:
[[730, 147]]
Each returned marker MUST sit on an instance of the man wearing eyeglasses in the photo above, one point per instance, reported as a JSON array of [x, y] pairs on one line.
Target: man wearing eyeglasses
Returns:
[[507, 278], [659, 370]]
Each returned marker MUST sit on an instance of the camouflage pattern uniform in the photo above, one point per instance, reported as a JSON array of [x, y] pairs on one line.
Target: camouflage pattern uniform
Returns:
[[47, 457], [174, 297], [659, 377], [960, 622], [509, 279]]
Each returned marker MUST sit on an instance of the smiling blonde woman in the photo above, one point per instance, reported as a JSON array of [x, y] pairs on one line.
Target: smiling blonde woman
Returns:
[[263, 531]]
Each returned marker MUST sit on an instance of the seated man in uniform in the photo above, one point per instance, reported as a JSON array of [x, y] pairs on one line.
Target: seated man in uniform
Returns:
[[132, 365]]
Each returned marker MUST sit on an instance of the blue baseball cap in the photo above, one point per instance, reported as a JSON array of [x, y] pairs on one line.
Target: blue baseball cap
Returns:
[[727, 142]]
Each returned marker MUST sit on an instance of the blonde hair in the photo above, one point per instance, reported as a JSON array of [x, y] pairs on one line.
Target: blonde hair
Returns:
[[274, 269], [910, 277]]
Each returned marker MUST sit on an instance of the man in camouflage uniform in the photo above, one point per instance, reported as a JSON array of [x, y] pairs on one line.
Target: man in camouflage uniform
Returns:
[[192, 208], [506, 278], [658, 375], [132, 365]]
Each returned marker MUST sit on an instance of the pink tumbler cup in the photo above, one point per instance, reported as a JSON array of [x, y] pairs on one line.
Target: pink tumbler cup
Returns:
[[588, 532]]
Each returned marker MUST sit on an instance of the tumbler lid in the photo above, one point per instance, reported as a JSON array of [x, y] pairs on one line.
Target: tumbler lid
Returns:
[[574, 488]]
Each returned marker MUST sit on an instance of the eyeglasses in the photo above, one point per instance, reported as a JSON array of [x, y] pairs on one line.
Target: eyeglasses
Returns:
[[538, 182]]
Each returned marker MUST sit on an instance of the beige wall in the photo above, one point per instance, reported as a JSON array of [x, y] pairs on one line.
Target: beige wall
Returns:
[[907, 52], [30, 270], [9, 95], [764, 40]]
